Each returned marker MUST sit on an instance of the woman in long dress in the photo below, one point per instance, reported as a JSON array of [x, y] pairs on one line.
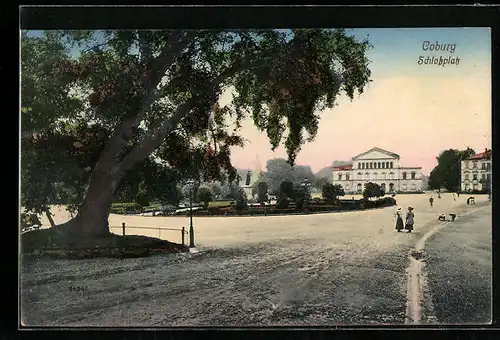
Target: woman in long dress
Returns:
[[409, 219], [399, 221]]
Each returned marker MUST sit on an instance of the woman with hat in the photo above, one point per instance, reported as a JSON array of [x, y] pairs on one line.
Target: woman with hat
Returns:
[[409, 219], [399, 221]]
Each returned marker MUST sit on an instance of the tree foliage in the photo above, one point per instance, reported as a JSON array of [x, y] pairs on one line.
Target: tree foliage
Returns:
[[156, 95], [446, 174], [331, 192], [262, 192], [372, 190], [204, 195]]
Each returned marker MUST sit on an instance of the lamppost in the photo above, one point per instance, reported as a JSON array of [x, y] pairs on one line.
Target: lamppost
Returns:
[[191, 229]]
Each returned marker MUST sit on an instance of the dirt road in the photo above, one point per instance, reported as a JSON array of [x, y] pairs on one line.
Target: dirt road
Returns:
[[325, 269]]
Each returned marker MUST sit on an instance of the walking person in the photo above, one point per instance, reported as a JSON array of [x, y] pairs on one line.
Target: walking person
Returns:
[[409, 220], [431, 201], [399, 221]]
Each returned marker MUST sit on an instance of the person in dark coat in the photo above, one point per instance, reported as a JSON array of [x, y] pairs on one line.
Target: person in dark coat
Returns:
[[431, 201], [409, 220], [399, 221]]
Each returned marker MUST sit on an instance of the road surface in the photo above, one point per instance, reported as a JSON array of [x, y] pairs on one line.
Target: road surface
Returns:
[[323, 269]]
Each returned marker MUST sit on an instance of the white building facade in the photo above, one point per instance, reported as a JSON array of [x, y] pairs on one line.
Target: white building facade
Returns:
[[381, 167], [475, 172]]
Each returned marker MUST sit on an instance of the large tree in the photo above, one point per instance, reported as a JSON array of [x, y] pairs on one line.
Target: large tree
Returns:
[[157, 94], [446, 174]]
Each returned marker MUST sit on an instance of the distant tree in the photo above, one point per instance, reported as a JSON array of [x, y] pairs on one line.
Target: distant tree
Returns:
[[286, 189], [330, 192], [142, 196], [204, 195], [320, 182], [262, 192], [229, 190], [189, 191], [372, 190], [241, 200], [301, 172], [446, 173], [278, 170], [216, 189]]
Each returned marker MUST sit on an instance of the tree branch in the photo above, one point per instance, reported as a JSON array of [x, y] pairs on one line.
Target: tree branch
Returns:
[[148, 144]]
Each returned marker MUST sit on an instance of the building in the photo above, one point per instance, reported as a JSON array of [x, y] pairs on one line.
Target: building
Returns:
[[475, 172], [378, 166]]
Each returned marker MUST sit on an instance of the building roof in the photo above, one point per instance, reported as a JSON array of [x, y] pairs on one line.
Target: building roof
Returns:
[[391, 154], [343, 167], [483, 155]]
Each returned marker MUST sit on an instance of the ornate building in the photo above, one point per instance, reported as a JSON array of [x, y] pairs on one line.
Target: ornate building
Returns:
[[378, 166], [475, 174]]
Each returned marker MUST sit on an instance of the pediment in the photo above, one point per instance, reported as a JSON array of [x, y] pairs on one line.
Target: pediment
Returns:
[[376, 153]]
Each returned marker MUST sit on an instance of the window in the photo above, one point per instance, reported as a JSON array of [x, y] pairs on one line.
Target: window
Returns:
[[488, 165], [390, 164], [362, 165], [367, 176], [360, 175], [483, 166], [383, 175], [378, 165], [371, 165], [483, 176], [413, 175], [383, 165], [387, 165], [340, 177], [488, 177], [474, 165], [404, 187], [413, 187], [466, 177], [391, 175], [347, 177], [347, 187], [359, 165], [404, 175], [474, 177], [360, 187]]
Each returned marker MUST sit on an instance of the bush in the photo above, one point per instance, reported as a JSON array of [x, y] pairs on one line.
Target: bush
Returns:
[[241, 202], [282, 202]]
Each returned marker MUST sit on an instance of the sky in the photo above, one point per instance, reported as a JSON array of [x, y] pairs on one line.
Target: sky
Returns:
[[413, 110]]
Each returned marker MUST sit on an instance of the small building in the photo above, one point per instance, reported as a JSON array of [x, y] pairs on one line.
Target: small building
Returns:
[[378, 166], [475, 172]]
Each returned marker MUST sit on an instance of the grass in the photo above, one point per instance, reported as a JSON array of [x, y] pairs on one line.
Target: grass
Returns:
[[47, 240], [219, 204]]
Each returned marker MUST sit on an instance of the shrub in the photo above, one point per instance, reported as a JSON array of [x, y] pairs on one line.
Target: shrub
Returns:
[[282, 202], [241, 202]]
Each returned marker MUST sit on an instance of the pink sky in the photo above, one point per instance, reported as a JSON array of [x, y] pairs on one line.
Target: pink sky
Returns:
[[412, 110]]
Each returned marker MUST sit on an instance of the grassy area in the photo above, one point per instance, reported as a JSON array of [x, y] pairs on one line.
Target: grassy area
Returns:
[[219, 204], [50, 241]]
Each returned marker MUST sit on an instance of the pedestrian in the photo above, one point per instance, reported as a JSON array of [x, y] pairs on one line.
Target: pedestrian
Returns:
[[399, 221], [409, 219], [454, 198], [431, 201]]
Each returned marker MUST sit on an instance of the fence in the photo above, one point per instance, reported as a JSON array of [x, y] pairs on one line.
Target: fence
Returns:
[[181, 230]]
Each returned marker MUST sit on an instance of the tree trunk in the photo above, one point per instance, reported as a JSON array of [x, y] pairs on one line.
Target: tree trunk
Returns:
[[49, 217], [92, 219]]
